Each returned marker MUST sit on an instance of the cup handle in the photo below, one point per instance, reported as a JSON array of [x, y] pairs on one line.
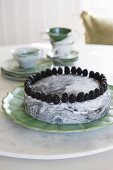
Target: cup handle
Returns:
[[76, 35], [44, 36]]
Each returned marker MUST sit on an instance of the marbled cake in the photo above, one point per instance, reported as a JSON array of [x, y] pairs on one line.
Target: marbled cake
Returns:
[[67, 96]]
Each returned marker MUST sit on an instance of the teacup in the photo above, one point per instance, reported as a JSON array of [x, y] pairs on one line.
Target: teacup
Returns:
[[62, 50], [26, 56], [62, 40], [57, 34]]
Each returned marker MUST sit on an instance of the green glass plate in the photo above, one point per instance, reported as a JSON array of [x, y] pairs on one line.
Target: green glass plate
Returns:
[[13, 106]]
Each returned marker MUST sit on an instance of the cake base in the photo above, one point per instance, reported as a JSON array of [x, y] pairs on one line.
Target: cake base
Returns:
[[67, 113]]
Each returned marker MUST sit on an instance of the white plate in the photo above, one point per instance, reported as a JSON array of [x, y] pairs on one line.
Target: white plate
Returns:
[[19, 142]]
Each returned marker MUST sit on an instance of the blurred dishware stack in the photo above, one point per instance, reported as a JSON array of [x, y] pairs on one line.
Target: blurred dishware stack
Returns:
[[62, 41], [26, 60]]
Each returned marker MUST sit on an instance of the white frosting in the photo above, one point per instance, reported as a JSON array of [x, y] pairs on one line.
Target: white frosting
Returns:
[[67, 113]]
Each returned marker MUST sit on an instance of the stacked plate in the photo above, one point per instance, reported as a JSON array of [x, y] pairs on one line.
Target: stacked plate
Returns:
[[10, 69], [66, 60]]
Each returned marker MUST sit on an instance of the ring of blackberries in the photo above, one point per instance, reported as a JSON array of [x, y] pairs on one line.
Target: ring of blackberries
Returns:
[[81, 97]]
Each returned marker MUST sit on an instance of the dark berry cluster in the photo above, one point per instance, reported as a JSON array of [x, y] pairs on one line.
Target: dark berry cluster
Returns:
[[64, 97], [81, 97]]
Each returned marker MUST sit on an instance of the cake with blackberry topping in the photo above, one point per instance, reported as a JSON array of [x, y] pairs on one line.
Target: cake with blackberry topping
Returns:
[[67, 95]]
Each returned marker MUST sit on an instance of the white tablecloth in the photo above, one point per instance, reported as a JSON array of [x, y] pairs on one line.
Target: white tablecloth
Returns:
[[92, 57]]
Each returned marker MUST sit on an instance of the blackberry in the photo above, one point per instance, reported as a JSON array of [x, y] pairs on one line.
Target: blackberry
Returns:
[[105, 88], [67, 70], [85, 72], [35, 77], [102, 76], [54, 71], [37, 95], [33, 94], [28, 91], [48, 72], [80, 97], [101, 90], [49, 98], [31, 78], [43, 97], [96, 75], [64, 97], [60, 71], [102, 80], [104, 84], [72, 98], [25, 89], [86, 97], [97, 92], [92, 94], [27, 83], [43, 74], [79, 71], [56, 99], [73, 70], [91, 74], [38, 76]]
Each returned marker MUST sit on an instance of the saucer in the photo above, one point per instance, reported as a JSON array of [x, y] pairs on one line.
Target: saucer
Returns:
[[11, 69], [68, 60], [13, 76]]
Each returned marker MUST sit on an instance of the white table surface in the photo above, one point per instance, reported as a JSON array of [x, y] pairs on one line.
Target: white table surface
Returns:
[[93, 57]]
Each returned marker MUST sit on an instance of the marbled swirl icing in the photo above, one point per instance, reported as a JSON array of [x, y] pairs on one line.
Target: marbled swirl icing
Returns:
[[67, 113]]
